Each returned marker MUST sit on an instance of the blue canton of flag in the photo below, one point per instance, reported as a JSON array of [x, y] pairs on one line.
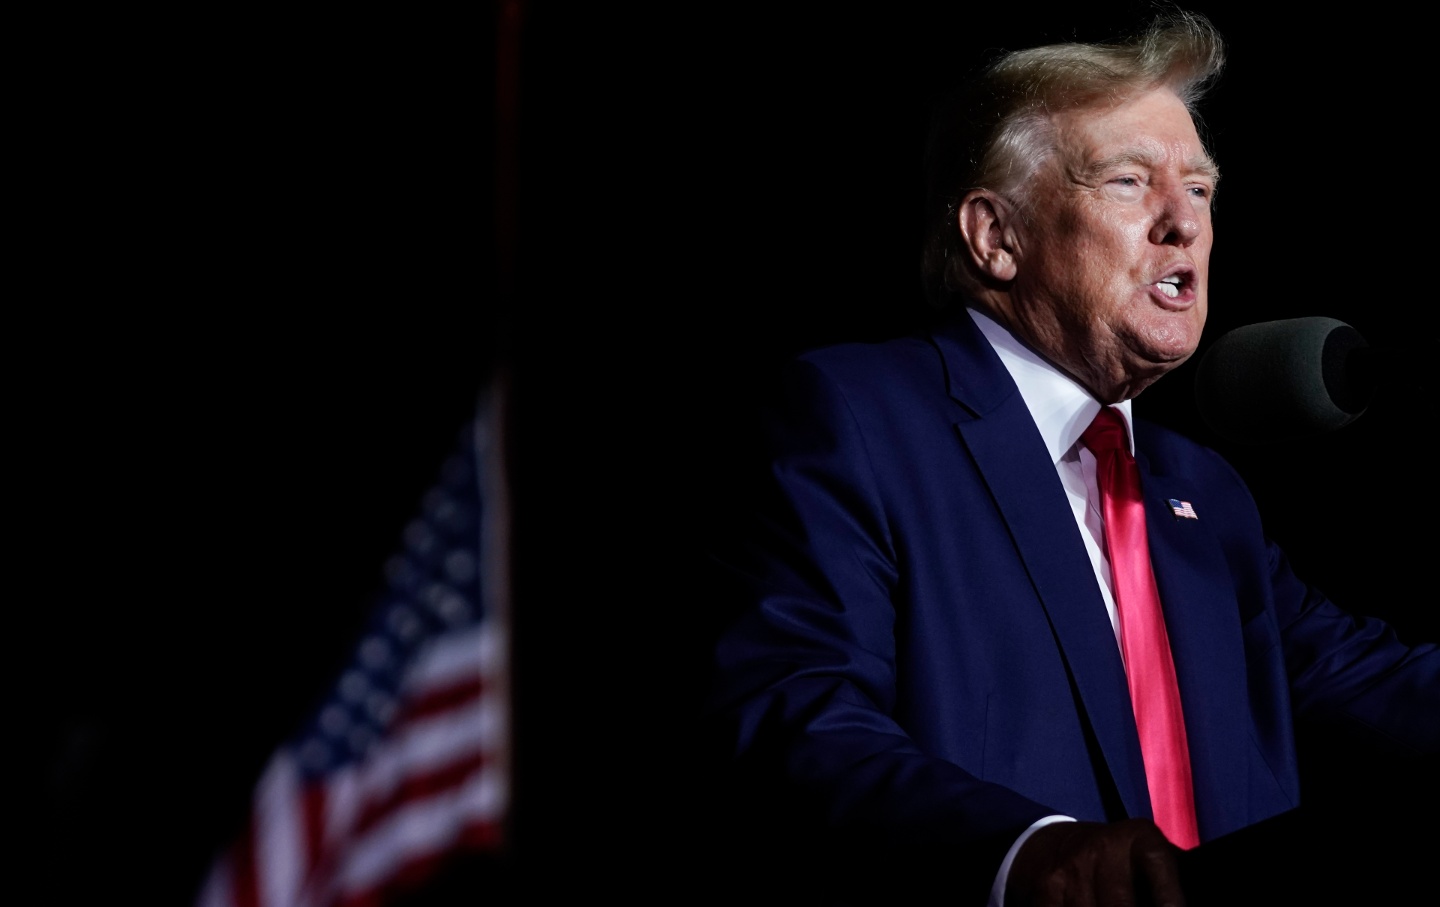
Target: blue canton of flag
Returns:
[[406, 762], [1183, 509]]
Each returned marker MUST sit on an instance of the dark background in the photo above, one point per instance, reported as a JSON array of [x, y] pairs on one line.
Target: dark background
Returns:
[[261, 278]]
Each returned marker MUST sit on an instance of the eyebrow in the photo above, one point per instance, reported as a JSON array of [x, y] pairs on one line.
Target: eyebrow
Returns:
[[1204, 165]]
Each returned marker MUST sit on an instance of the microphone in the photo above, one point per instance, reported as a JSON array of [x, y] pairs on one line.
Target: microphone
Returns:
[[1280, 380]]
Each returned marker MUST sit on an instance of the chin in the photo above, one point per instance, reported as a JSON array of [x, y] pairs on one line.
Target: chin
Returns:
[[1170, 343], [1168, 357], [1153, 363]]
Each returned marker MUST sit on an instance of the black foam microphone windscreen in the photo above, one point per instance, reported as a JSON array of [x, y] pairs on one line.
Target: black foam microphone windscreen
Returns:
[[1287, 379]]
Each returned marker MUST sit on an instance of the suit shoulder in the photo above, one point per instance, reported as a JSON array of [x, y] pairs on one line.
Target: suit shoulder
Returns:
[[893, 385]]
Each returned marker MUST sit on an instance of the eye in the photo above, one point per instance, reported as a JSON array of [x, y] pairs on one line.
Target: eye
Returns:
[[1126, 187]]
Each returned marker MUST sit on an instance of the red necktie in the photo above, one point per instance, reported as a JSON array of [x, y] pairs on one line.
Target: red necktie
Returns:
[[1149, 669]]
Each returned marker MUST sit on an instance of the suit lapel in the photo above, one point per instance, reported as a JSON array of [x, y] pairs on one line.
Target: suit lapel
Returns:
[[1048, 541], [1205, 639]]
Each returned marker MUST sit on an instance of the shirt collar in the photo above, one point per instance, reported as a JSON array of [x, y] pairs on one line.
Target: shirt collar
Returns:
[[1061, 407]]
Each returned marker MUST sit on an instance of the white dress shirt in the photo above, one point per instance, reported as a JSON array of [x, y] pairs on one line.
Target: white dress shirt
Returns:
[[1062, 410]]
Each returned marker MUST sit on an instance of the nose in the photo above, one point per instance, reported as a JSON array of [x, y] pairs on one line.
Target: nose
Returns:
[[1180, 218]]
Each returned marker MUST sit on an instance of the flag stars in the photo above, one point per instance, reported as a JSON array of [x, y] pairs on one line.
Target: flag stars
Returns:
[[334, 721], [375, 653], [314, 755], [353, 686], [434, 595], [420, 538], [404, 623], [460, 567], [443, 511], [380, 707], [360, 739], [453, 608]]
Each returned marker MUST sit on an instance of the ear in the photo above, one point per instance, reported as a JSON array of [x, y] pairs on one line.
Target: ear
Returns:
[[985, 222]]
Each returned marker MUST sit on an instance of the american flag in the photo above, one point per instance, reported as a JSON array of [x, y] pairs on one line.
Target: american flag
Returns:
[[1183, 509], [406, 762]]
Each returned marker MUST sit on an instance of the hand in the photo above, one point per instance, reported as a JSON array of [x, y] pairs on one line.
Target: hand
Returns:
[[1094, 864]]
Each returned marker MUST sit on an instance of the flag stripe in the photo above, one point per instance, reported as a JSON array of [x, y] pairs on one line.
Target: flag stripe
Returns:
[[419, 787], [246, 870], [415, 829], [314, 806], [406, 763], [441, 700], [280, 847]]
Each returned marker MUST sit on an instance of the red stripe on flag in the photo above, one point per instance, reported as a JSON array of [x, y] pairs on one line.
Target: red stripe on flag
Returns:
[[244, 869], [478, 836], [419, 787], [350, 878], [429, 702], [314, 800]]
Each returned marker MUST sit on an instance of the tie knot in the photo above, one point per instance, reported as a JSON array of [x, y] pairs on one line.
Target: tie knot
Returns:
[[1106, 432]]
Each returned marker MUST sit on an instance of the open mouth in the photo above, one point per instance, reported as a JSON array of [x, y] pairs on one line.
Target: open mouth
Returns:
[[1171, 286], [1176, 285]]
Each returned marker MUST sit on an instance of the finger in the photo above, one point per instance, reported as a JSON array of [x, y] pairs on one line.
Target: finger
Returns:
[[1113, 883], [1157, 873]]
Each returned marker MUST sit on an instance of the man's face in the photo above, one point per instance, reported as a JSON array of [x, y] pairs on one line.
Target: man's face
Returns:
[[1113, 263]]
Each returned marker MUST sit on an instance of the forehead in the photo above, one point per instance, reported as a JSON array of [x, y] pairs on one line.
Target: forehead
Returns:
[[1152, 127]]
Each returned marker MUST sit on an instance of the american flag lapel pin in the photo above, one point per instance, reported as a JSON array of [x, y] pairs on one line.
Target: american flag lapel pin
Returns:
[[1183, 510]]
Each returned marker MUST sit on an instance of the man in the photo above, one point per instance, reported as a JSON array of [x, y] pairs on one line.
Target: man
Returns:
[[929, 661]]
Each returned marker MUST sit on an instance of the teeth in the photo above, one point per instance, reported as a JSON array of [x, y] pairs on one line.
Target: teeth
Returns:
[[1170, 286]]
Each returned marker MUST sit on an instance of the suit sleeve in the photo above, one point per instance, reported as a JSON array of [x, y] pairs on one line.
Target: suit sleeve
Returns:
[[1352, 674], [1343, 670], [805, 672]]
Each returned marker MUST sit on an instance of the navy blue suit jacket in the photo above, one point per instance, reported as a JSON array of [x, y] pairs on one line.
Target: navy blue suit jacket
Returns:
[[922, 657]]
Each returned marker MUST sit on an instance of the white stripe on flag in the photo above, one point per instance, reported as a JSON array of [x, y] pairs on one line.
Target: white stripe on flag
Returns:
[[419, 829], [457, 656], [343, 804], [280, 850], [426, 746]]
